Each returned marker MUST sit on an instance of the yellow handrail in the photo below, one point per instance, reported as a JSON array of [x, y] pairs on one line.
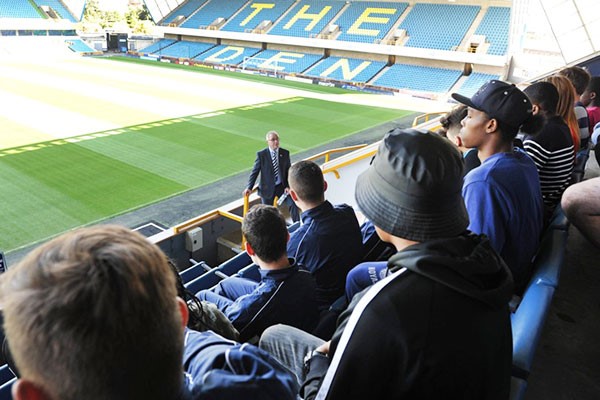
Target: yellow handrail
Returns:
[[327, 153], [420, 119], [205, 218]]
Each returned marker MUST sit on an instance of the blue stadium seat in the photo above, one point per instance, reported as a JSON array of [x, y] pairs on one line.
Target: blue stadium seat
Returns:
[[290, 62], [215, 275], [211, 11], [227, 55], [186, 49], [5, 389], [367, 31], [18, 9], [158, 47], [416, 77], [5, 374], [559, 219], [307, 18], [185, 10], [495, 26], [550, 258], [347, 69], [438, 26], [198, 268], [79, 46], [269, 11], [474, 82], [518, 387], [57, 6], [527, 325]]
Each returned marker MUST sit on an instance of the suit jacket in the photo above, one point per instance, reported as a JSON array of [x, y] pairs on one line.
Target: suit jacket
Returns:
[[264, 166]]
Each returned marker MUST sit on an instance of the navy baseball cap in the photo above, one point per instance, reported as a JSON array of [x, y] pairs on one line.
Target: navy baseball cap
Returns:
[[500, 100]]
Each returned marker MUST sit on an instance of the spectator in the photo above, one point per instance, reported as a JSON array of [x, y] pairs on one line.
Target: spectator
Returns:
[[438, 325], [272, 164], [580, 79], [552, 149], [591, 99], [94, 314], [290, 291], [329, 241], [564, 107], [451, 129], [503, 196], [580, 203]]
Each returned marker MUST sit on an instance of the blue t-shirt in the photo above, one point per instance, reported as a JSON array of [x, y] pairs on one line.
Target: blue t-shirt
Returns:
[[504, 202]]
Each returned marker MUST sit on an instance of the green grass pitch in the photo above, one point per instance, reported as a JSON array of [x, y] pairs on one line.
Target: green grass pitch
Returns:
[[53, 186]]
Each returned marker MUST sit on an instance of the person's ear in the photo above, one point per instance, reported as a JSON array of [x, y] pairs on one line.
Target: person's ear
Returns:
[[458, 141], [492, 126], [293, 194], [535, 109], [324, 185], [184, 311], [288, 237], [249, 249], [592, 95], [23, 389]]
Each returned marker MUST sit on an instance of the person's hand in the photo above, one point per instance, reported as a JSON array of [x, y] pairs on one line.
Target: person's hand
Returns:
[[246, 192], [324, 348]]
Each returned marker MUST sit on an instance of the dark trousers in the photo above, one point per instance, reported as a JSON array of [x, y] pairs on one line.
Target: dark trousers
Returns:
[[279, 189]]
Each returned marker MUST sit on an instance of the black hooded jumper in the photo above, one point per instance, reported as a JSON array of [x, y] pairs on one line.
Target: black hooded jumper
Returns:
[[437, 327]]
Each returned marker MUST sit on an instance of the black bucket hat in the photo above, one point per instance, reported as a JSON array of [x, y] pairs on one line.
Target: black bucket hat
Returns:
[[413, 188], [500, 100]]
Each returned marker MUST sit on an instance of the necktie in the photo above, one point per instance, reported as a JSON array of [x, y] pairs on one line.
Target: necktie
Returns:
[[275, 165]]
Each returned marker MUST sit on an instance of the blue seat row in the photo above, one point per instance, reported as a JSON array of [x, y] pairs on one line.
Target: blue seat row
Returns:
[[416, 77], [495, 26], [18, 9], [346, 69], [529, 318], [255, 13], [307, 18], [211, 11], [158, 47], [184, 10], [368, 21], [57, 6]]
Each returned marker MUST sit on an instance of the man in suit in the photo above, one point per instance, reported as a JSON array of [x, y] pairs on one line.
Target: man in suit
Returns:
[[273, 164]]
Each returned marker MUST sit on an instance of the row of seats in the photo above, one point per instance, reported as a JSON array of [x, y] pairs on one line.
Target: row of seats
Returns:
[[18, 9], [79, 46], [529, 317], [255, 13], [57, 6], [397, 76], [211, 11], [187, 9], [428, 25]]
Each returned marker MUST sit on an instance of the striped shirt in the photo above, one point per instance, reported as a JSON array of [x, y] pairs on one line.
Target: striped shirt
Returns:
[[583, 123], [552, 152]]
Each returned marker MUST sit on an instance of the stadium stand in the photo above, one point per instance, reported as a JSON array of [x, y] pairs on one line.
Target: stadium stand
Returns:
[[438, 26], [185, 10], [368, 21], [257, 12], [494, 27], [79, 46], [186, 49], [307, 18], [284, 61], [474, 82], [159, 46], [346, 69], [58, 7], [415, 77], [228, 55], [18, 9], [213, 10]]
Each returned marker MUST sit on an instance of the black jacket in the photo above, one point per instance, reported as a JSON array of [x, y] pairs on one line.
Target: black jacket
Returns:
[[263, 165], [438, 327]]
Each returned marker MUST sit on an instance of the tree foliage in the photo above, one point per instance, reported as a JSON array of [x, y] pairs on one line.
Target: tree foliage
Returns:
[[136, 18]]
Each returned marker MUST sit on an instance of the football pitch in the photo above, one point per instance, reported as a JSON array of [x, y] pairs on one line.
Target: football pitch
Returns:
[[83, 140]]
